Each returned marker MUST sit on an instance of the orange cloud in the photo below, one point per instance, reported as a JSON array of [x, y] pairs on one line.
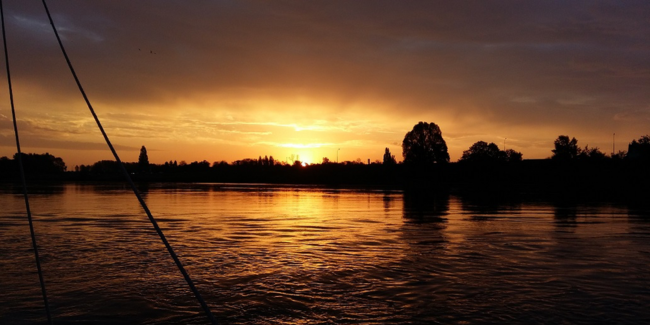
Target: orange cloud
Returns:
[[223, 82]]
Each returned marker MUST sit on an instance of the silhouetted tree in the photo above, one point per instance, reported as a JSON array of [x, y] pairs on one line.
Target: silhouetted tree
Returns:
[[7, 167], [198, 166], [481, 151], [388, 158], [619, 155], [325, 161], [424, 145], [42, 163], [219, 163], [591, 154], [271, 161], [513, 156], [105, 167], [565, 149], [84, 168], [143, 160], [246, 162], [639, 149]]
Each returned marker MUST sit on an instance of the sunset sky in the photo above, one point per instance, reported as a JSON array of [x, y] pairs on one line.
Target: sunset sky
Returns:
[[226, 80]]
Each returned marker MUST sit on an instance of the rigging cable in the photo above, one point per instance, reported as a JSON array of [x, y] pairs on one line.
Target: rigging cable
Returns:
[[22, 170], [189, 281]]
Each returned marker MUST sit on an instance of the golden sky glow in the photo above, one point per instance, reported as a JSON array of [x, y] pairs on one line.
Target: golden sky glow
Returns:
[[222, 80]]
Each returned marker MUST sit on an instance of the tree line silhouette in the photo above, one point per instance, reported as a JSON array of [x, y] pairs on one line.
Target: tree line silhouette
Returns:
[[482, 167]]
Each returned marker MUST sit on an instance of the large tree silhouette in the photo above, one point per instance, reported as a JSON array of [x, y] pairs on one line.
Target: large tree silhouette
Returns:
[[424, 145], [565, 149]]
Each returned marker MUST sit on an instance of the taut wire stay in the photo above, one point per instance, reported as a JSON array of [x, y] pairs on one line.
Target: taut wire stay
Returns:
[[22, 170], [124, 172]]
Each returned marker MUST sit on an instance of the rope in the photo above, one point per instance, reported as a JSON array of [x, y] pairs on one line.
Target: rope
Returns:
[[22, 171], [129, 180]]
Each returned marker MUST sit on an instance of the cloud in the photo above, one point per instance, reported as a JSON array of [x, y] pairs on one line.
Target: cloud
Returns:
[[239, 72], [298, 145], [48, 144], [634, 115]]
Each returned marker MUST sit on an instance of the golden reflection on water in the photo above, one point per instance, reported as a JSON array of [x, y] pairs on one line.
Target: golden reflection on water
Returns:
[[273, 254], [287, 229]]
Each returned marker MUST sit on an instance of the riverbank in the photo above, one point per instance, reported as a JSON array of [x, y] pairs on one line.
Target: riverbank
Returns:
[[606, 180]]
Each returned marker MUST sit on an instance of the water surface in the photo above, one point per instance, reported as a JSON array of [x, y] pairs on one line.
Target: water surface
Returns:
[[283, 255]]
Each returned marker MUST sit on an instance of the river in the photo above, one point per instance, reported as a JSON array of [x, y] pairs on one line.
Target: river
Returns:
[[271, 254]]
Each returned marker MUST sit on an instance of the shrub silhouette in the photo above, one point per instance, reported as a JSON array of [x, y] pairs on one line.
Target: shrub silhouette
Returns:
[[482, 152]]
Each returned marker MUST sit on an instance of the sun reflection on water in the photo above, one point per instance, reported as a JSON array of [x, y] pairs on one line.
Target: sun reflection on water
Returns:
[[265, 254]]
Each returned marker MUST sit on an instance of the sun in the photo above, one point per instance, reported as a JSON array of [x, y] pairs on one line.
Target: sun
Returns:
[[304, 164]]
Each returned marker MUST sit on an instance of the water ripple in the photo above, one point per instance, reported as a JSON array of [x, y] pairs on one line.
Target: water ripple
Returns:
[[284, 255]]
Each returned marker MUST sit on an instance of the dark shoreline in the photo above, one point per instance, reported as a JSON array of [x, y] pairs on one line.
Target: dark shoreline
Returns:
[[619, 181]]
